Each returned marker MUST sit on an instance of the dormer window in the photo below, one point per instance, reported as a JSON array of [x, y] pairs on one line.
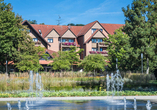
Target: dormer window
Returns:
[[50, 40], [101, 30], [35, 39], [40, 32], [93, 30]]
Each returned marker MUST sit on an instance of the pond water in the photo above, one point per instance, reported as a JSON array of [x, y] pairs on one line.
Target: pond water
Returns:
[[79, 105]]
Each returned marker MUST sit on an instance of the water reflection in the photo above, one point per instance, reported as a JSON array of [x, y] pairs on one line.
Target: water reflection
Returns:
[[79, 105]]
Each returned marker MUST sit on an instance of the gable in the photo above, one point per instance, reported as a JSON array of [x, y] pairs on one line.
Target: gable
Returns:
[[97, 26], [35, 33], [99, 35], [68, 34], [53, 33]]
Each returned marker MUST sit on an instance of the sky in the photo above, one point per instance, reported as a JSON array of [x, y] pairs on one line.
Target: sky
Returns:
[[71, 11]]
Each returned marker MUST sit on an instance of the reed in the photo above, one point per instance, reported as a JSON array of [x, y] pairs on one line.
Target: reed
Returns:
[[69, 81]]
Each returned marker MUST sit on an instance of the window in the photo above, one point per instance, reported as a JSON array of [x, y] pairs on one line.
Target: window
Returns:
[[101, 49], [50, 40], [28, 30], [93, 40], [96, 40], [71, 40], [35, 39], [94, 49], [63, 40], [101, 30], [99, 40], [93, 30]]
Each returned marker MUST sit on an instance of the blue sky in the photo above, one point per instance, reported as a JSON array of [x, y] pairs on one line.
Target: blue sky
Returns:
[[71, 11]]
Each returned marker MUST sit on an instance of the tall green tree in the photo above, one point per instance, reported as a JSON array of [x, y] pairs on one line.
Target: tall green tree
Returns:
[[118, 48], [95, 62], [141, 27], [29, 58], [15, 43], [9, 33]]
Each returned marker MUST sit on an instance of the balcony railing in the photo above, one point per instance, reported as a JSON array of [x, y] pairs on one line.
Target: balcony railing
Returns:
[[68, 43], [103, 44], [38, 42]]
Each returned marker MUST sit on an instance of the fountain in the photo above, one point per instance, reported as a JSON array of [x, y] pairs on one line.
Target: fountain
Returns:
[[26, 105], [135, 105], [19, 104], [148, 105], [114, 84], [9, 106]]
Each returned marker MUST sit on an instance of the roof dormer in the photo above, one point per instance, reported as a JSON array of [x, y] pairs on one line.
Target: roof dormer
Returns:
[[40, 32]]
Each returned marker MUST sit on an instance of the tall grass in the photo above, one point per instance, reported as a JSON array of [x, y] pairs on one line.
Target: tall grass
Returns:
[[69, 81]]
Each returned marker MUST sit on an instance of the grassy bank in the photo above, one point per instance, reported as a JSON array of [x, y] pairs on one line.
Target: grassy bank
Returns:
[[78, 93], [73, 81]]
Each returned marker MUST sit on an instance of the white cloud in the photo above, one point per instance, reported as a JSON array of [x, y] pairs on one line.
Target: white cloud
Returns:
[[104, 8]]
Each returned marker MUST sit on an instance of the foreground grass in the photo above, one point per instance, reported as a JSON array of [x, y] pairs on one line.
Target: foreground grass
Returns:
[[78, 93]]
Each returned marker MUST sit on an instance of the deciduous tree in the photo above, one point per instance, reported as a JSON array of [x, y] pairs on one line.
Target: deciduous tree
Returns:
[[15, 43], [66, 59], [95, 62], [118, 48], [141, 27]]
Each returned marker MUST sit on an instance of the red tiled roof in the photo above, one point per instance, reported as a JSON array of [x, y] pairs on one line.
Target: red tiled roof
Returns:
[[25, 21], [51, 52], [86, 28], [46, 29], [45, 62], [76, 29], [110, 28]]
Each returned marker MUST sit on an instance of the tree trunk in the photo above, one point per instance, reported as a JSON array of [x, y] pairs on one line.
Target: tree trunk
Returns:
[[147, 71]]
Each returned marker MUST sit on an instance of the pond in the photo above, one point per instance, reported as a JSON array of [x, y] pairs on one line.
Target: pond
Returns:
[[79, 105]]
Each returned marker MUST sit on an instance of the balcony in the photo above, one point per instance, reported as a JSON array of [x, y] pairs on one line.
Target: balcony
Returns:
[[38, 43], [103, 44], [104, 53], [67, 44]]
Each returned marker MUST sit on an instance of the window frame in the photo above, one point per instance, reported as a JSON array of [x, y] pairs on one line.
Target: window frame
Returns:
[[35, 39], [93, 30], [50, 40]]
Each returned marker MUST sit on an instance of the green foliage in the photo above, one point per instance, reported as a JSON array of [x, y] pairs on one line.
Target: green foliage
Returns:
[[66, 59], [9, 32], [61, 62], [94, 62], [118, 49], [16, 45], [29, 58], [42, 23], [141, 25], [72, 24], [32, 21], [77, 93]]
